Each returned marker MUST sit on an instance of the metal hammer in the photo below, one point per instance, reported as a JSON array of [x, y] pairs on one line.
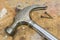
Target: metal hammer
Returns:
[[23, 17]]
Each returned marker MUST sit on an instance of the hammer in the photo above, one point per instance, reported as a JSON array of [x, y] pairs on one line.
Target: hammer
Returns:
[[23, 17]]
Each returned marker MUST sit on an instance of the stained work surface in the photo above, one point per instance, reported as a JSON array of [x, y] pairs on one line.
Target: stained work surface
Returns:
[[25, 32]]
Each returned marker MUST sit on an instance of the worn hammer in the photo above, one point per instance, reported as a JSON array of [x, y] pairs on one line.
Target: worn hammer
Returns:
[[23, 17]]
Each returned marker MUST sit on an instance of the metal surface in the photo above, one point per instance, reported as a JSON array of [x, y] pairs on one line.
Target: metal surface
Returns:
[[23, 17]]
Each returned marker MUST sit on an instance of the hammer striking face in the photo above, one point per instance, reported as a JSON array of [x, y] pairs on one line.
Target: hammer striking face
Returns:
[[23, 17]]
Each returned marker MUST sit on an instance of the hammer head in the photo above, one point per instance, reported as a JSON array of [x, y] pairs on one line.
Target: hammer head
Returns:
[[24, 14]]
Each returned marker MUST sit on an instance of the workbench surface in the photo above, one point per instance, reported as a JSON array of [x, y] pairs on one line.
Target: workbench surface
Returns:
[[52, 25]]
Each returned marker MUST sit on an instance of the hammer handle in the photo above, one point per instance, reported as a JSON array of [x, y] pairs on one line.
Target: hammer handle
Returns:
[[41, 31]]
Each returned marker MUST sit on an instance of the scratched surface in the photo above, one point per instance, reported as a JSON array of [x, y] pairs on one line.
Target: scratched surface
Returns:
[[52, 25]]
